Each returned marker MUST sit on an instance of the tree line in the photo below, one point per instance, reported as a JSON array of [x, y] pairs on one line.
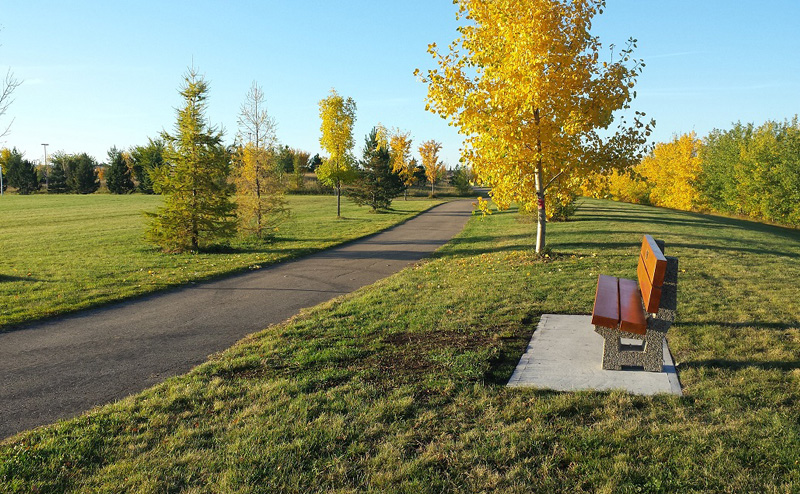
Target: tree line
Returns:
[[749, 170]]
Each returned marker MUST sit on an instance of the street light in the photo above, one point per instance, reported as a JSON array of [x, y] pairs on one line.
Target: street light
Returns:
[[46, 175]]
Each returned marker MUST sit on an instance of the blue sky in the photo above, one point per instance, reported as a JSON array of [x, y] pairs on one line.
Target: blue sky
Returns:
[[106, 73]]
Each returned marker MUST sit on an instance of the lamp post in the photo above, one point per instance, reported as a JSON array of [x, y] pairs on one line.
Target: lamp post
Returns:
[[46, 175]]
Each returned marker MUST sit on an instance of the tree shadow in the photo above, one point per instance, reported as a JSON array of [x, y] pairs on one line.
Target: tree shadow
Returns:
[[736, 365], [777, 326], [10, 278]]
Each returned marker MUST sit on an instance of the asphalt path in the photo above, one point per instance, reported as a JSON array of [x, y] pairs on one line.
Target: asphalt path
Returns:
[[62, 367]]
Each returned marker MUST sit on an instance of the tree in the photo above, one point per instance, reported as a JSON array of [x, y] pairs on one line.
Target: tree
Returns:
[[299, 166], [6, 91], [79, 173], [19, 172], [376, 184], [672, 173], [314, 163], [434, 169], [461, 180], [194, 181], [118, 177], [524, 83], [402, 164], [338, 116], [57, 178], [259, 193], [145, 160]]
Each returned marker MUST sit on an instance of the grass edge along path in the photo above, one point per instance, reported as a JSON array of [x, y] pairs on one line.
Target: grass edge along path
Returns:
[[399, 387], [62, 254]]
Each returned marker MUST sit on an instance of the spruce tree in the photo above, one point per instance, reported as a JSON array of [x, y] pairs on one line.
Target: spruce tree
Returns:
[[376, 184], [57, 180], [18, 172], [118, 176], [82, 176], [146, 159], [197, 208]]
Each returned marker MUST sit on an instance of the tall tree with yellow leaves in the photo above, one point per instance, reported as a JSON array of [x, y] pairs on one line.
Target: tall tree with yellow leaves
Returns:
[[338, 117], [434, 169], [524, 82], [260, 204], [402, 165]]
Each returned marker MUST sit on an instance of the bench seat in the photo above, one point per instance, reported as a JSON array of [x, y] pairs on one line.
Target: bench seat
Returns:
[[618, 304]]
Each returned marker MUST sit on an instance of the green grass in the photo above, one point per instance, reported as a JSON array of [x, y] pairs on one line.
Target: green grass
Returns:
[[399, 386], [64, 253]]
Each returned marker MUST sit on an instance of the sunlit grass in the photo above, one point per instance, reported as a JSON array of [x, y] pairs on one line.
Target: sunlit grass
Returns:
[[399, 387], [62, 253]]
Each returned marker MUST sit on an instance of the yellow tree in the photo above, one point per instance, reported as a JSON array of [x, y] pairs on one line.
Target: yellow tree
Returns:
[[434, 169], [400, 152], [672, 172], [259, 192], [525, 84], [338, 117]]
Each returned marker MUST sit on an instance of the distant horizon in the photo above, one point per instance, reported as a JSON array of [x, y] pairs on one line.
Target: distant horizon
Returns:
[[106, 75]]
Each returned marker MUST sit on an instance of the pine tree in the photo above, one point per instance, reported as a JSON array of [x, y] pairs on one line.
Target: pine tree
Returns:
[[118, 177], [376, 184], [82, 177], [146, 159], [197, 207], [19, 173], [57, 180]]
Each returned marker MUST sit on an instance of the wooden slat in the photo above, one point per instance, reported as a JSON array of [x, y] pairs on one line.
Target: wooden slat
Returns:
[[606, 302], [630, 308], [651, 295], [654, 261]]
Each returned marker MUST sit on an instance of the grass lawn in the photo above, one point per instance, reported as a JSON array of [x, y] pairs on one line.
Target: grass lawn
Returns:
[[399, 387], [60, 253]]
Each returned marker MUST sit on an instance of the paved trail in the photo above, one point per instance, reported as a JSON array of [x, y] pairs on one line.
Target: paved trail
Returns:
[[63, 367]]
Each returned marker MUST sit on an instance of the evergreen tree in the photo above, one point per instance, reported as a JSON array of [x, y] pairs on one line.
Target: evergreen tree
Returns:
[[197, 207], [461, 180], [18, 172], [146, 159], [376, 184], [118, 176], [57, 179], [82, 177]]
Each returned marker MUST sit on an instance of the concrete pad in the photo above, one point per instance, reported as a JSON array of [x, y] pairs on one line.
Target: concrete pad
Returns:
[[565, 354]]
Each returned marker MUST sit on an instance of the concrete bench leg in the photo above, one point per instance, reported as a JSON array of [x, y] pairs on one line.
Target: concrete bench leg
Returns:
[[615, 354]]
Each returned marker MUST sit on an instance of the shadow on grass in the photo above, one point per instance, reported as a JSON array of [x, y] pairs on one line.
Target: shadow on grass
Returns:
[[9, 278], [689, 218], [778, 326], [720, 364], [502, 365]]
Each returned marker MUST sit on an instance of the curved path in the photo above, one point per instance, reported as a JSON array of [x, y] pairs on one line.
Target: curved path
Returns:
[[62, 367]]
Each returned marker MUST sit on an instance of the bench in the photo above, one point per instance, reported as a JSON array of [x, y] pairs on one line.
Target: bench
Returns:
[[643, 311]]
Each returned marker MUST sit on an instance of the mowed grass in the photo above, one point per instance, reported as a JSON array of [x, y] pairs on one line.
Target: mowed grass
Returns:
[[63, 253], [399, 387]]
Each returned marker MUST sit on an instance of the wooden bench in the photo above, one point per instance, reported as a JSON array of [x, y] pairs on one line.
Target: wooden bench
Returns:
[[641, 311]]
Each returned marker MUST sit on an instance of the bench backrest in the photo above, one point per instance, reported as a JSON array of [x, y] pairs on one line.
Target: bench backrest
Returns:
[[651, 269]]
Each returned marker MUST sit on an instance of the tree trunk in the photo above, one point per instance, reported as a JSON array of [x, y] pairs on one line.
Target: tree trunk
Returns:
[[541, 222], [338, 200]]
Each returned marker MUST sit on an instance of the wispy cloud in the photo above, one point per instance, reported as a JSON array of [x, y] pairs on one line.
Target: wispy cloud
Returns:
[[697, 91], [676, 54]]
